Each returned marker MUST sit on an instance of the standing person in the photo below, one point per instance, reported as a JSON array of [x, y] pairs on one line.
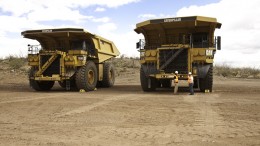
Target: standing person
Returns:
[[176, 80], [191, 82]]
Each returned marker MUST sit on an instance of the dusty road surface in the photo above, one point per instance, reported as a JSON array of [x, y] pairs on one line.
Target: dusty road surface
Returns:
[[124, 115]]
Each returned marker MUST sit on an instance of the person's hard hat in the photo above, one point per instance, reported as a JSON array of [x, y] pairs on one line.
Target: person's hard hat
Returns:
[[189, 73], [176, 72]]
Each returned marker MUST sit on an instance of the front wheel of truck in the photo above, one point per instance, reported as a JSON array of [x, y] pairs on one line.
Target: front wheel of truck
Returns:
[[147, 83], [39, 85], [207, 82], [86, 77]]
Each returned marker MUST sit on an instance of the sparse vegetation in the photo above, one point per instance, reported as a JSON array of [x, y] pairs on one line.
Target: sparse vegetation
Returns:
[[126, 62], [130, 64], [125, 65], [16, 62], [227, 71], [13, 63]]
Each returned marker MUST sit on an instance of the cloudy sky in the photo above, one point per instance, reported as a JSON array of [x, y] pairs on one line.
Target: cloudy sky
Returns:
[[116, 19]]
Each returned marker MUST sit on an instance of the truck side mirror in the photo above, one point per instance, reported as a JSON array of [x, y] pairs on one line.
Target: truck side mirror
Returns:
[[84, 47], [218, 42], [138, 45]]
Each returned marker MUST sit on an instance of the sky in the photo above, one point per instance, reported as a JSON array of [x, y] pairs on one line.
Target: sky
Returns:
[[116, 20]]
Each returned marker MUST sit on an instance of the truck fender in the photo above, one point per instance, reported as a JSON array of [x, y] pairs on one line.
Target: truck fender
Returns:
[[149, 69]]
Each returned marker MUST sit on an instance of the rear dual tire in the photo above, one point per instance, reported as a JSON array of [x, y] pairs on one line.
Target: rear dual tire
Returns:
[[108, 75], [87, 76]]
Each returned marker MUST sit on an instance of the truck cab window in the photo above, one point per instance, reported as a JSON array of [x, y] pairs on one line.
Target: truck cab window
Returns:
[[77, 45], [200, 40]]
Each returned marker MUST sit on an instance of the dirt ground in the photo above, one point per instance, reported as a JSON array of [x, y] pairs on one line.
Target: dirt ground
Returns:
[[125, 115]]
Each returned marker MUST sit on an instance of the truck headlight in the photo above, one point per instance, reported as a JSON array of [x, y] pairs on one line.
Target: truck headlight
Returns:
[[81, 58], [209, 52]]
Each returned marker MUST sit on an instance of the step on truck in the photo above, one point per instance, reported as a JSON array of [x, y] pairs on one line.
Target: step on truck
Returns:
[[183, 44], [73, 57]]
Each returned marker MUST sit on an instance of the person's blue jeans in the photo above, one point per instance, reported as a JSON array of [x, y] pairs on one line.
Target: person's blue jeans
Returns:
[[191, 88]]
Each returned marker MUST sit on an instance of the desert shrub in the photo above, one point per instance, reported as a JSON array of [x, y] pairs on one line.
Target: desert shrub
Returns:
[[228, 71], [16, 62], [223, 70], [126, 63]]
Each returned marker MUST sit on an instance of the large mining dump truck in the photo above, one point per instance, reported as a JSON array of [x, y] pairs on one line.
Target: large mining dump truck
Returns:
[[74, 57], [183, 44]]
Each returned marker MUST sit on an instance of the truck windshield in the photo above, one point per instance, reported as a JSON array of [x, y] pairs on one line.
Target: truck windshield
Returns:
[[200, 40]]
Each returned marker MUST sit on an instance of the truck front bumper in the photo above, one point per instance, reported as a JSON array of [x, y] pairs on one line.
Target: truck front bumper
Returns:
[[47, 78], [169, 76]]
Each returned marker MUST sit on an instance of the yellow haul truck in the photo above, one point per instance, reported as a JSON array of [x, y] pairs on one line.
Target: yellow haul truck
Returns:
[[183, 44], [72, 56]]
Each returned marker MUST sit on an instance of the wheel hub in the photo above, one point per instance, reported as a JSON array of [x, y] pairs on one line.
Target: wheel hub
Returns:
[[90, 76]]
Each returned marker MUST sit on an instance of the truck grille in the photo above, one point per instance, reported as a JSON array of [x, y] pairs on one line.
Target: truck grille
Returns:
[[54, 68], [180, 63]]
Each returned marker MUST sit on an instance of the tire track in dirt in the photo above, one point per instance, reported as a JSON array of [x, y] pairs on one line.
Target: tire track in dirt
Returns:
[[32, 98], [87, 108], [208, 126]]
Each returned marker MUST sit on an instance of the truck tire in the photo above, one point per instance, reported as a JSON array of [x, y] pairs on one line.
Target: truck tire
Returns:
[[207, 82], [62, 84], [196, 85], [145, 79], [108, 75], [39, 85], [86, 77]]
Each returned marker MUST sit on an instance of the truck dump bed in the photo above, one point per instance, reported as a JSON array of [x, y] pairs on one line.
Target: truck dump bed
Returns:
[[158, 32], [61, 39]]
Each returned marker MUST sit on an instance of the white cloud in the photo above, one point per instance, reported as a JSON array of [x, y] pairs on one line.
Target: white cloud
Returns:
[[103, 19], [17, 16], [106, 28], [153, 16], [18, 8], [124, 41], [21, 7], [240, 29], [17, 24], [15, 46], [50, 14], [99, 9], [107, 3], [147, 16], [166, 15], [48, 10]]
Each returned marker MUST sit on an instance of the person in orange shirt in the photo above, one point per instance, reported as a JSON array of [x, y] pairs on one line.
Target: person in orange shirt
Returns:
[[191, 83]]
